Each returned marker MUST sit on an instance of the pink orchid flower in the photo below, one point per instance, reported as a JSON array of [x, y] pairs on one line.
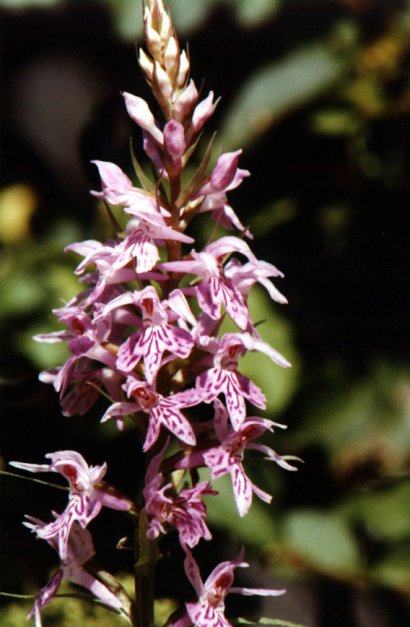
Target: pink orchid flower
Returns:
[[209, 610], [225, 176], [162, 411], [186, 511], [154, 337], [228, 456], [244, 276], [224, 377], [216, 289], [87, 494], [80, 549], [140, 244], [117, 189]]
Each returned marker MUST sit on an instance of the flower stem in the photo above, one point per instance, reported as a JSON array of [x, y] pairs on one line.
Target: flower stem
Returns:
[[146, 556]]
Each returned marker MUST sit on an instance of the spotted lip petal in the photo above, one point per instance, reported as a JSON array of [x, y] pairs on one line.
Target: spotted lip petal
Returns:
[[235, 387], [155, 337], [167, 413], [150, 344]]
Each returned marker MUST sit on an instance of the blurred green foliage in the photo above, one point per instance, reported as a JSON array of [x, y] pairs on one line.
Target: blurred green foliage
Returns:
[[323, 110]]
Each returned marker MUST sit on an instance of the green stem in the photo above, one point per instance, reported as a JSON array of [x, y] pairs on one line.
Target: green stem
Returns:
[[174, 247], [47, 483], [146, 555]]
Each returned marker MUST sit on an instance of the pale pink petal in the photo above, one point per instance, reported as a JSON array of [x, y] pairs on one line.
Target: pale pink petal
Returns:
[[185, 102], [139, 111], [202, 112], [242, 488]]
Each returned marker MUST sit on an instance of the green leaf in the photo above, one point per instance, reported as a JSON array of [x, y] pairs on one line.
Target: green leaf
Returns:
[[198, 178], [252, 13], [323, 541], [266, 621], [28, 4], [335, 122], [143, 179], [20, 294], [385, 513], [394, 570], [367, 420], [277, 89]]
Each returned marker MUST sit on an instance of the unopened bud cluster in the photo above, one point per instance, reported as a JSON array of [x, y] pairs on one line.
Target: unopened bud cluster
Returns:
[[166, 68]]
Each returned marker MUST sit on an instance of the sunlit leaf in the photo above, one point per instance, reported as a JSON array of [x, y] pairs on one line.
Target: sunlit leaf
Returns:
[[28, 4], [321, 541], [277, 89], [394, 570], [20, 294], [335, 122], [266, 621], [363, 421], [385, 513], [253, 13]]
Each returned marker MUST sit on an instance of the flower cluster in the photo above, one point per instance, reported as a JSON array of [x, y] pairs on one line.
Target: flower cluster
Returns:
[[147, 332], [67, 533]]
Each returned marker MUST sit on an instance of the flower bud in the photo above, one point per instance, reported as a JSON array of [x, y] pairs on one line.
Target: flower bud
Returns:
[[163, 81], [146, 64], [174, 139], [151, 149], [171, 58], [153, 40], [139, 111], [202, 112], [185, 102], [166, 31], [225, 170], [183, 69]]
